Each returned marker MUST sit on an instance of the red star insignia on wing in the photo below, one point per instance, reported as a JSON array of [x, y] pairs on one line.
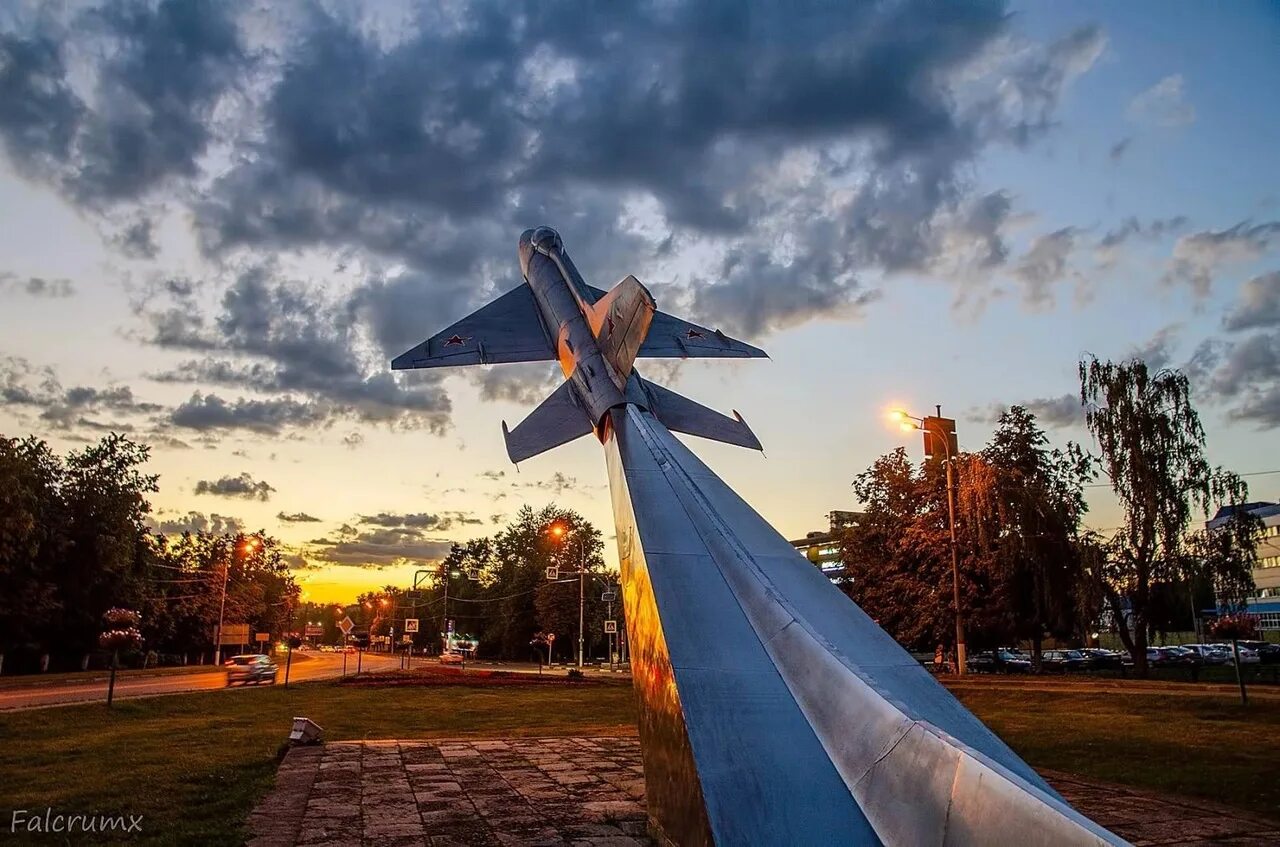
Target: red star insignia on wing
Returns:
[[693, 333], [456, 340]]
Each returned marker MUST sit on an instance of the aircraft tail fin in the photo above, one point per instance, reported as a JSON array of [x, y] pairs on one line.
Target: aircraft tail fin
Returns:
[[558, 420], [680, 414], [620, 322]]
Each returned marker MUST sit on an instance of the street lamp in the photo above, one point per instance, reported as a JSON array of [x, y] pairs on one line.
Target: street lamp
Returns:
[[250, 544], [559, 532], [940, 439]]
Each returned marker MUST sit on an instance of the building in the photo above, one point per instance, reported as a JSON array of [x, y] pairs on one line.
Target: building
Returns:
[[1265, 602], [823, 548]]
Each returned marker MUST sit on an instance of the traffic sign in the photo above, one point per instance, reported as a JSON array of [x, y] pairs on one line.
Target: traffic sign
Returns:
[[262, 637], [608, 596], [313, 629], [346, 625], [410, 625], [610, 627], [553, 572]]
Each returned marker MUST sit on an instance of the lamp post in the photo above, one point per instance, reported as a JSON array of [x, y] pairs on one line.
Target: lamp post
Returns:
[[941, 432], [558, 532], [250, 544]]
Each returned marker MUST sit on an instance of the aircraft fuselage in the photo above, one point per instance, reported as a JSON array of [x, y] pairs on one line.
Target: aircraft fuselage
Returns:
[[564, 300]]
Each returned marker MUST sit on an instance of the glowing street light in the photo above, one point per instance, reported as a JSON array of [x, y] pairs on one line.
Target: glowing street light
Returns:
[[940, 442], [559, 532]]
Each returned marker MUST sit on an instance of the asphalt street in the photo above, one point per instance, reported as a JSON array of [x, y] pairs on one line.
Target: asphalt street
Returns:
[[38, 693]]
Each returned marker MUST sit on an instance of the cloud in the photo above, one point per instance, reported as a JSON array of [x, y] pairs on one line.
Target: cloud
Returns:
[[1163, 105], [1198, 257], [61, 407], [161, 71], [1108, 249], [1050, 412], [1243, 376], [1258, 306], [209, 412], [1045, 263], [243, 486], [1157, 351], [523, 384], [197, 522], [420, 520], [280, 336], [296, 517], [378, 547], [832, 146], [37, 286], [557, 482]]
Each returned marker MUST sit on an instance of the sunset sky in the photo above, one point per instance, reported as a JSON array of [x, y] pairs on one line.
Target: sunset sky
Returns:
[[222, 219]]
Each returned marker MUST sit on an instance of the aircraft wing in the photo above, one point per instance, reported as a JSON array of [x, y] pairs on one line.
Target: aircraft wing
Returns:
[[505, 330], [675, 338]]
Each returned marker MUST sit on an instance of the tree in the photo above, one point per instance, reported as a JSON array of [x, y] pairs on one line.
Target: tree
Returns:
[[1153, 451], [1025, 502], [104, 492], [31, 541]]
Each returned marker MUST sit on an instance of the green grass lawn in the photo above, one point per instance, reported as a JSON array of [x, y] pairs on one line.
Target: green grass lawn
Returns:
[[1203, 746], [194, 764]]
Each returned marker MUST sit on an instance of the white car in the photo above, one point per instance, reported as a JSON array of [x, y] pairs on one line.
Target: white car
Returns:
[[1212, 654], [1247, 656], [451, 658]]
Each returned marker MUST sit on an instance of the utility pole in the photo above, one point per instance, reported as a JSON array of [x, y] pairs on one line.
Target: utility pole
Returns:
[[940, 442], [222, 608], [582, 583]]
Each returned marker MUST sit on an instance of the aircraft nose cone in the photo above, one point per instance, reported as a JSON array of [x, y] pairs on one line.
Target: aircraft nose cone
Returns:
[[546, 238]]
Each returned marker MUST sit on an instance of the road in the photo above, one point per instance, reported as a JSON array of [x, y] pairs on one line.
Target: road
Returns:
[[38, 694]]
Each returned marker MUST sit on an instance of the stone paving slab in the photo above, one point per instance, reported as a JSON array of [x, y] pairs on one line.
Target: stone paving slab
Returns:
[[589, 792]]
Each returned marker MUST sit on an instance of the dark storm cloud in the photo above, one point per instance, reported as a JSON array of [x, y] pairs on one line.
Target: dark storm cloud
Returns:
[[1258, 306], [161, 69], [286, 337], [197, 522], [296, 517], [37, 286], [244, 486], [788, 154]]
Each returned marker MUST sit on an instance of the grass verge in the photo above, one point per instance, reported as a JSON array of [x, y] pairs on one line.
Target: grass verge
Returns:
[[194, 764], [1202, 746]]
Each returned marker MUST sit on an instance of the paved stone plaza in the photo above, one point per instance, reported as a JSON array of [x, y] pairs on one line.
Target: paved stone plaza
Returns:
[[587, 791]]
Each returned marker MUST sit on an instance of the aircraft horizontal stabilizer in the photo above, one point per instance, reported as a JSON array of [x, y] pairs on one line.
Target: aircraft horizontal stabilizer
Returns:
[[558, 420], [680, 414]]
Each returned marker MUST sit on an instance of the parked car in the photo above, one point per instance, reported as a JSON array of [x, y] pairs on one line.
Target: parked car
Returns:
[[451, 658], [1182, 657], [1101, 659], [251, 667], [1210, 654], [1062, 661], [1155, 659], [1004, 660], [1268, 651], [1247, 656]]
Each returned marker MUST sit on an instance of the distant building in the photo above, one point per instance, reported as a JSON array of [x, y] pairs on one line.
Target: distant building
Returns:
[[1265, 602], [823, 548]]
